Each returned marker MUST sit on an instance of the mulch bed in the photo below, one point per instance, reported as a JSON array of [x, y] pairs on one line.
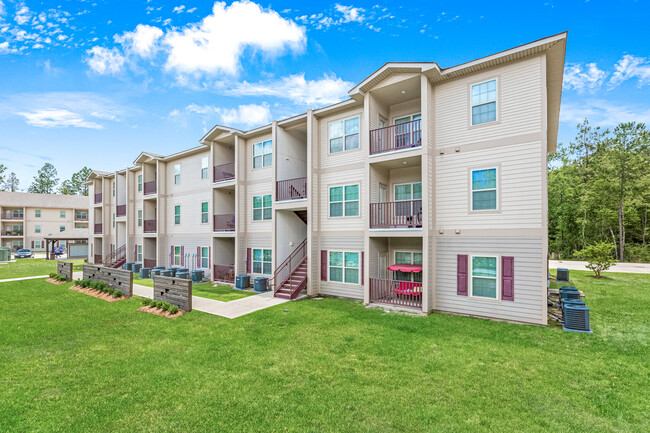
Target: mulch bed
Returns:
[[97, 294], [53, 281], [160, 312]]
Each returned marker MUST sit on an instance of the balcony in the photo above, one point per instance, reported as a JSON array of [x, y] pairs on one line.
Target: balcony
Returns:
[[397, 137], [396, 214], [395, 292], [225, 273], [150, 187], [12, 233], [150, 226], [224, 223], [9, 215], [291, 189], [98, 198], [224, 172], [120, 211], [98, 229]]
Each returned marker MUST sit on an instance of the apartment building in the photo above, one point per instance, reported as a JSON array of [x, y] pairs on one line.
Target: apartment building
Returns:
[[26, 218], [425, 190]]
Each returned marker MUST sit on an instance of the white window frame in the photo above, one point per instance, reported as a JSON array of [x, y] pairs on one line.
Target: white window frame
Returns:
[[329, 202], [37, 213], [470, 276], [61, 229], [37, 244], [113, 220], [37, 228], [395, 185], [139, 253], [177, 221], [344, 136], [139, 183], [140, 218], [204, 168], [262, 208], [253, 261], [113, 188], [358, 283], [471, 189], [472, 105], [177, 257], [62, 214], [205, 257], [262, 155], [205, 214], [177, 174]]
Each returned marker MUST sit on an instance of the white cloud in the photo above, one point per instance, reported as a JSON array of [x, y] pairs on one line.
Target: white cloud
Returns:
[[4, 48], [247, 116], [189, 11], [58, 118], [2, 8], [178, 9], [143, 41], [602, 112], [628, 67], [23, 14], [350, 13], [581, 77], [105, 61], [296, 88]]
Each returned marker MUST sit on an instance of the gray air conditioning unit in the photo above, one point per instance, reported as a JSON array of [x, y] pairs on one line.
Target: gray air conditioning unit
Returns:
[[576, 318], [562, 274]]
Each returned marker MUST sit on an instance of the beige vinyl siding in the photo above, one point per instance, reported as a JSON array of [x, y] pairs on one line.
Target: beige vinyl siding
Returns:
[[255, 242], [347, 224], [519, 105], [261, 173], [530, 299], [335, 242], [263, 226], [347, 156], [519, 191]]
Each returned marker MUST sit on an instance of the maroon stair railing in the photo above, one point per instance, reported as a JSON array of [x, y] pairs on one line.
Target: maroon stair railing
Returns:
[[98, 198], [396, 214], [116, 257], [396, 137], [98, 228], [150, 226], [150, 187], [225, 273], [291, 189], [223, 172], [224, 223], [288, 266], [395, 292], [120, 211]]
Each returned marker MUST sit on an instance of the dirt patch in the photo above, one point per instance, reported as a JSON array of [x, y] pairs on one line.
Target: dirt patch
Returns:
[[97, 294], [53, 281], [160, 312]]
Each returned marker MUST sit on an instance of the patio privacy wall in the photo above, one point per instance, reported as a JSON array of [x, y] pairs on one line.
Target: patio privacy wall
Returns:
[[176, 291], [117, 279], [65, 269]]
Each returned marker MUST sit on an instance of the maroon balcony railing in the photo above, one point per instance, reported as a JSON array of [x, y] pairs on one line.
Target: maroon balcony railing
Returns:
[[395, 292], [149, 263], [12, 216], [224, 172], [150, 187], [98, 259], [98, 198], [224, 273], [98, 229], [121, 210], [291, 189], [224, 223], [396, 137], [396, 214], [150, 226]]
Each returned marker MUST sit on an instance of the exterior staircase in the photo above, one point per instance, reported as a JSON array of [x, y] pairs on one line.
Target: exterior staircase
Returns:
[[115, 259], [290, 278]]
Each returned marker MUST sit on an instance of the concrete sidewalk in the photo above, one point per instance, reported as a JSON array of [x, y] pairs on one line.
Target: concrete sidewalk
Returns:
[[630, 268]]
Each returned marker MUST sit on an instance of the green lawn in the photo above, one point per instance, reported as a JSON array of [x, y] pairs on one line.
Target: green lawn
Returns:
[[73, 363], [205, 290], [33, 267]]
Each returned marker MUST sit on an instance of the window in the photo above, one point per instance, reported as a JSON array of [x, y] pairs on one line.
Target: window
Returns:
[[37, 213], [139, 183], [263, 154], [113, 220], [177, 214], [37, 229], [177, 174], [484, 273], [37, 244], [409, 258], [177, 256], [81, 215], [344, 201], [484, 102], [139, 217], [408, 191], [205, 259], [344, 267], [262, 207], [62, 214], [61, 228], [484, 189], [139, 258], [204, 212], [113, 188], [344, 135], [204, 168], [261, 261], [409, 134]]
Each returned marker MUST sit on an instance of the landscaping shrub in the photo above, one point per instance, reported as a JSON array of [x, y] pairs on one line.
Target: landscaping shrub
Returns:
[[118, 294], [173, 309], [147, 302], [599, 257], [165, 306]]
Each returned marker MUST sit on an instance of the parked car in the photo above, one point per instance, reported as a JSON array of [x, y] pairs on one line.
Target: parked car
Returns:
[[24, 254]]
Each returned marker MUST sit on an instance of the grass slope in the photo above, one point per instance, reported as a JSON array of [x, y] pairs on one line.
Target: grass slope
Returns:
[[33, 267], [74, 363]]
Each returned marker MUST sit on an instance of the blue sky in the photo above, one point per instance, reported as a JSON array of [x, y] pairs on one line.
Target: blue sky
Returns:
[[94, 82]]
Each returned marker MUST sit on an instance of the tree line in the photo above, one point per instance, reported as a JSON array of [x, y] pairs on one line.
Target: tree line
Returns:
[[47, 182], [599, 191]]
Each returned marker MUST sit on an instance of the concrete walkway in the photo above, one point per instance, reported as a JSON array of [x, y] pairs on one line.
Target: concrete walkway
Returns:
[[631, 268], [8, 280], [229, 310]]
